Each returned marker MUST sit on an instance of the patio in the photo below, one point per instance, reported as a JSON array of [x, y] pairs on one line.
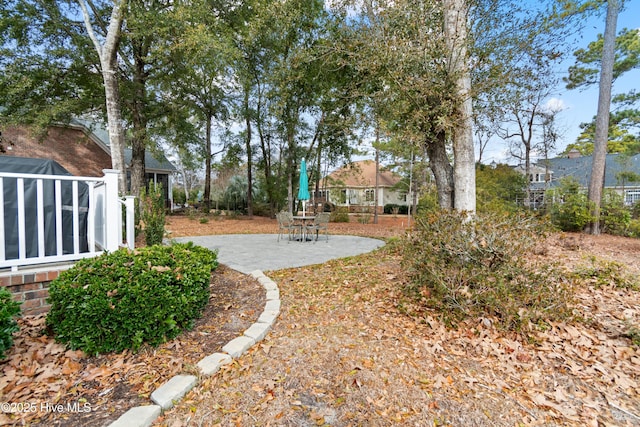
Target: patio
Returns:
[[249, 252]]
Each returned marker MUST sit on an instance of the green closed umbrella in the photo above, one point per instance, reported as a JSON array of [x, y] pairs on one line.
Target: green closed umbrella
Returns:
[[303, 190]]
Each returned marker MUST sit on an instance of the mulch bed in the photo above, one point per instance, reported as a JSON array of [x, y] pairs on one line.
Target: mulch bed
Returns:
[[46, 384]]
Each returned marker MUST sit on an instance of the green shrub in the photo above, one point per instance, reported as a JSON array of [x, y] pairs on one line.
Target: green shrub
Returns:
[[635, 210], [634, 228], [428, 200], [261, 208], [9, 309], [179, 196], [341, 214], [499, 188], [475, 268], [614, 215], [152, 214], [570, 209], [123, 299]]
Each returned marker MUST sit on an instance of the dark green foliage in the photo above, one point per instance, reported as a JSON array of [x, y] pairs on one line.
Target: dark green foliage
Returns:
[[472, 268], [498, 189], [428, 199], [179, 196], [123, 299], [152, 214], [9, 309], [570, 208], [614, 215]]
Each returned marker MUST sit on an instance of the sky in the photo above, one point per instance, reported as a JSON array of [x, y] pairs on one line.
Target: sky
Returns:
[[579, 106]]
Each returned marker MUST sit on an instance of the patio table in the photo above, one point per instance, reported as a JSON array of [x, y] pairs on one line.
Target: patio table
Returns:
[[303, 219]]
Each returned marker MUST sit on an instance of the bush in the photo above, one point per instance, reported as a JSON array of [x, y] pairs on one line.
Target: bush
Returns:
[[179, 196], [123, 299], [614, 216], [475, 268], [428, 200], [634, 228], [498, 189], [152, 214], [9, 309], [570, 210], [341, 214], [635, 210]]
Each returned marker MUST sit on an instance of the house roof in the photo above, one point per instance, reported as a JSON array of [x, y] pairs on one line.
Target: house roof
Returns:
[[580, 169], [80, 147], [361, 174], [69, 147], [100, 135]]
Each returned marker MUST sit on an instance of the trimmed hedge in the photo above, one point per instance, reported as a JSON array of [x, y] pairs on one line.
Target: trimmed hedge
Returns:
[[123, 299], [9, 309]]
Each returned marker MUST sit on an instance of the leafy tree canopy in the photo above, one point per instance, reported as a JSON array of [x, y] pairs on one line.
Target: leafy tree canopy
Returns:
[[624, 122]]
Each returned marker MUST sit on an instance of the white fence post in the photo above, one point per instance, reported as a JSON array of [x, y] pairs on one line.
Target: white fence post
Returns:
[[113, 211], [131, 231]]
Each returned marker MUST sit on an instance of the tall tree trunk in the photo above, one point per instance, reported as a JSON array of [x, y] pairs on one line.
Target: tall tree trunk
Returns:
[[108, 54], [291, 166], [318, 178], [139, 140], [140, 122], [602, 118], [206, 198], [265, 147], [290, 174], [247, 118], [464, 174], [377, 188], [442, 171], [115, 129]]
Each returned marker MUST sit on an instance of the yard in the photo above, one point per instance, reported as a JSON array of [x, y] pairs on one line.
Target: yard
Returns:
[[344, 353]]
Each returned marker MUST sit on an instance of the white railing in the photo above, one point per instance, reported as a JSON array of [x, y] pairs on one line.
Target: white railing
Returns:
[[56, 218]]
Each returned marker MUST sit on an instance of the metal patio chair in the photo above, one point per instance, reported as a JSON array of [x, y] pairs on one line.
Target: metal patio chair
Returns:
[[320, 223], [286, 224]]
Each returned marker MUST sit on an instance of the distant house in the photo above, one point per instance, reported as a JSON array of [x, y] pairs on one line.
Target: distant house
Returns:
[[354, 186], [548, 174], [83, 150]]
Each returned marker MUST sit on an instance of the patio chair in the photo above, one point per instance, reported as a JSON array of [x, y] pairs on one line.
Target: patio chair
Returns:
[[321, 222], [286, 224]]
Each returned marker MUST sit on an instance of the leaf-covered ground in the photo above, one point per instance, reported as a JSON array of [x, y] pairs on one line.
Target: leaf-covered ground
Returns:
[[46, 384], [343, 352]]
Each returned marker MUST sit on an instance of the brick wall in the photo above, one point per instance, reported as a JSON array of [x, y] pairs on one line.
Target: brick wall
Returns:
[[31, 288]]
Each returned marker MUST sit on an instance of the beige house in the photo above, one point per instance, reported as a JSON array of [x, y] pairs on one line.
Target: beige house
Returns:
[[354, 186]]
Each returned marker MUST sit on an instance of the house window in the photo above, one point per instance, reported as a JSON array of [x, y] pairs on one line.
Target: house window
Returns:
[[631, 197], [369, 195], [536, 177]]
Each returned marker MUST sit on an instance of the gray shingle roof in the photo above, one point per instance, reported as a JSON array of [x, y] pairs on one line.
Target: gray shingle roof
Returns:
[[580, 169], [152, 162]]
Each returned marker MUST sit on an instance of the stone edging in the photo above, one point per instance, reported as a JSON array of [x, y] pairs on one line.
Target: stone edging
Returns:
[[165, 396]]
